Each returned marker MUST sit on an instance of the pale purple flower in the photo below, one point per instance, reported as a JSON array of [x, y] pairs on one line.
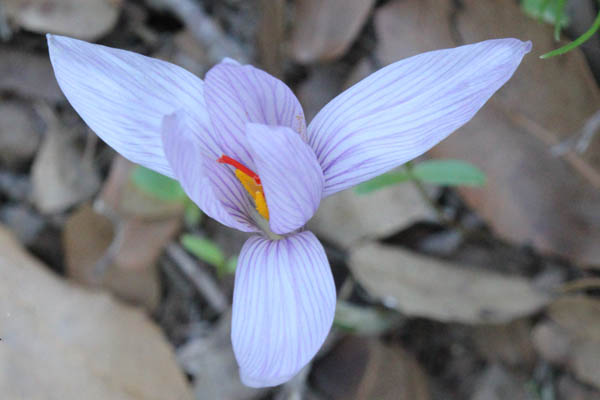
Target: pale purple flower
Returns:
[[241, 125]]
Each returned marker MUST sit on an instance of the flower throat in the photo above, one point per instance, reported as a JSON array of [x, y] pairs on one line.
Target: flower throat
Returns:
[[251, 182]]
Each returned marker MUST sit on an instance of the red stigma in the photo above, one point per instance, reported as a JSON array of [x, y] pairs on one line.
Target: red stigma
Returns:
[[228, 160]]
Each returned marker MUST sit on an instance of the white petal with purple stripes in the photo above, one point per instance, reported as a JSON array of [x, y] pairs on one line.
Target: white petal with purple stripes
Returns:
[[237, 94], [209, 184], [123, 96], [283, 307], [290, 175], [404, 109]]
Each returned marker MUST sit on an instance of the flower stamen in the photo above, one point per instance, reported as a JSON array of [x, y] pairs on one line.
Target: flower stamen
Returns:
[[251, 182]]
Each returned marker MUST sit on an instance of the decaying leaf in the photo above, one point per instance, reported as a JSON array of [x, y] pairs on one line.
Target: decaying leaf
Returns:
[[347, 217], [579, 314], [573, 336], [422, 286], [19, 138], [60, 175], [530, 196], [63, 342], [211, 362], [83, 19], [324, 29], [28, 74], [362, 369], [87, 238]]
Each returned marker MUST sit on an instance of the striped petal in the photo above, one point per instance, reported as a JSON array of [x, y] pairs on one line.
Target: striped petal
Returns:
[[404, 109], [290, 173], [237, 94], [283, 306], [209, 184], [123, 96]]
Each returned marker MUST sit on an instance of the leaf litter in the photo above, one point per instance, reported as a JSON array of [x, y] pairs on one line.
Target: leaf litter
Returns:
[[444, 292]]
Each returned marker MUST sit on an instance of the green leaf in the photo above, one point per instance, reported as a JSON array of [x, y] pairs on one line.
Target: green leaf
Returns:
[[387, 179], [448, 173], [205, 249], [157, 185], [577, 42], [550, 11], [364, 320], [192, 215], [230, 265]]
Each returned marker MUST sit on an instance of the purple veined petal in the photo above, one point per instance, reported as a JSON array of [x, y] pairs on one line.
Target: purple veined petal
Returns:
[[123, 96], [209, 184], [290, 173], [404, 109], [283, 307], [238, 94]]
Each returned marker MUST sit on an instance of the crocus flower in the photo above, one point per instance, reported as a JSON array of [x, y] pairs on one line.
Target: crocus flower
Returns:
[[239, 145]]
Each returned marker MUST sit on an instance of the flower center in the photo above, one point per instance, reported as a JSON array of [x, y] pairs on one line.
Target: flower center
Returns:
[[251, 182]]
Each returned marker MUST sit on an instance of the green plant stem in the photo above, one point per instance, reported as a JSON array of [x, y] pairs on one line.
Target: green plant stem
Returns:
[[577, 42], [560, 9]]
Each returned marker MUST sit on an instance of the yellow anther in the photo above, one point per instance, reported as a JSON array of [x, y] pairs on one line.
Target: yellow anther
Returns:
[[255, 191], [261, 204]]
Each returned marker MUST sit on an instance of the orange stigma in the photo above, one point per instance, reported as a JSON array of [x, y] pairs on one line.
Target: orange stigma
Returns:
[[251, 182]]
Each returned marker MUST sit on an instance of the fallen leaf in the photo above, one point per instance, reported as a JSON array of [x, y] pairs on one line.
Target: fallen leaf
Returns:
[[363, 320], [359, 368], [422, 286], [19, 138], [124, 198], [530, 196], [569, 388], [579, 314], [60, 341], [497, 383], [507, 343], [575, 328], [83, 19], [87, 237], [270, 35], [347, 217], [324, 29], [552, 342], [60, 176], [29, 75], [210, 360]]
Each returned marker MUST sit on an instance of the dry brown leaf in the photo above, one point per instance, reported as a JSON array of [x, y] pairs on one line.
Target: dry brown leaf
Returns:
[[123, 198], [358, 368], [508, 343], [86, 239], [552, 342], [83, 19], [60, 176], [324, 29], [211, 362], [19, 138], [422, 286], [576, 333], [28, 74], [62, 342], [270, 36], [578, 314], [530, 196], [347, 217]]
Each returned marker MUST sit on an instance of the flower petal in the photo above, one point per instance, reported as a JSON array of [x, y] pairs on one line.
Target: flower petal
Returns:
[[123, 96], [237, 94], [283, 306], [209, 184], [290, 173], [404, 109]]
